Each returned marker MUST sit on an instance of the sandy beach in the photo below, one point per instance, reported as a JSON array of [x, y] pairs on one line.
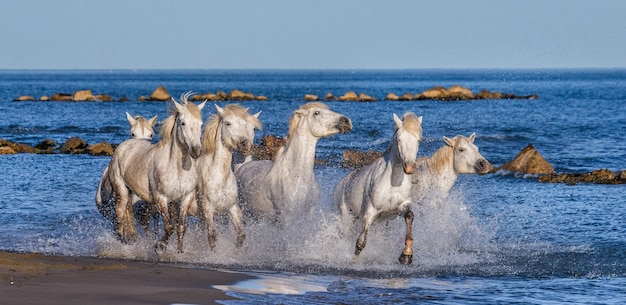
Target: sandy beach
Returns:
[[31, 278]]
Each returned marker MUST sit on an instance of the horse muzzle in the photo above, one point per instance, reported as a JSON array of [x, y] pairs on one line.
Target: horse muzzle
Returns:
[[344, 124], [482, 166], [409, 167], [195, 151], [244, 147]]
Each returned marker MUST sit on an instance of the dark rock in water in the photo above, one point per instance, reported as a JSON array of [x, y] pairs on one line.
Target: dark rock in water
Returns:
[[601, 176], [528, 161], [47, 146], [100, 149], [74, 145], [64, 97], [83, 95], [330, 97], [17, 147], [311, 97], [269, 147], [355, 159], [7, 150]]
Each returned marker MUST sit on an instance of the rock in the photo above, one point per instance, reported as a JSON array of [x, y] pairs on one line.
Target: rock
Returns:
[[124, 99], [355, 159], [406, 97], [330, 97], [64, 97], [349, 96], [74, 145], [270, 145], [44, 98], [221, 95], [19, 147], [391, 97], [83, 95], [366, 98], [311, 97], [47, 145], [205, 97], [6, 150], [159, 94], [601, 176], [528, 161], [103, 98], [435, 93], [261, 98], [238, 95], [459, 93], [24, 98], [100, 149]]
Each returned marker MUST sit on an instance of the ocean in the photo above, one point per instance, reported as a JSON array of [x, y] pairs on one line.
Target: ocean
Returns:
[[501, 238]]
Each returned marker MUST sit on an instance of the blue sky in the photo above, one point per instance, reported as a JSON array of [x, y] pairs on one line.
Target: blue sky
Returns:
[[323, 34]]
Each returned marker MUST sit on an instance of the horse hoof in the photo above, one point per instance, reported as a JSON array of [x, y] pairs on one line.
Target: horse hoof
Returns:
[[405, 259], [160, 246]]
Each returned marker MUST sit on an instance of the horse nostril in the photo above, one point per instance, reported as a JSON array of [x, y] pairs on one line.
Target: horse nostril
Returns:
[[344, 124]]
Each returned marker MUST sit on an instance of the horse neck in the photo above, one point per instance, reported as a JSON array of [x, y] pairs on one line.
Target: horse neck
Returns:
[[393, 163], [173, 149], [299, 152], [221, 155]]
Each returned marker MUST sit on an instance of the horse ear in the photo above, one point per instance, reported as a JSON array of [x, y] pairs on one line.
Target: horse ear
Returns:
[[220, 110], [176, 104], [130, 119], [397, 120], [153, 120], [300, 111], [472, 137], [201, 105], [256, 115], [448, 141]]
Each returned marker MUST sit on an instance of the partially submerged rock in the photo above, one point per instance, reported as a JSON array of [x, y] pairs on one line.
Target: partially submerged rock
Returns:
[[601, 176], [74, 145], [355, 159], [528, 161]]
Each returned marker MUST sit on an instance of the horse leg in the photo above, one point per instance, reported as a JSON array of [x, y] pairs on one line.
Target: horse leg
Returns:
[[207, 214], [406, 258], [182, 218], [235, 217], [122, 229], [162, 206], [367, 220]]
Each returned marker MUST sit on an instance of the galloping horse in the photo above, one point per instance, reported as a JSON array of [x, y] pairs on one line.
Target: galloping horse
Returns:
[[231, 129], [272, 190], [160, 174], [140, 128], [436, 174], [383, 188]]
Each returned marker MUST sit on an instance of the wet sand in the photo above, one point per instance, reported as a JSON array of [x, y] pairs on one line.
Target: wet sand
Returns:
[[30, 278]]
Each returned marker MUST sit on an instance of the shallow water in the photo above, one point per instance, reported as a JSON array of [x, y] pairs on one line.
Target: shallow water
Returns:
[[498, 238]]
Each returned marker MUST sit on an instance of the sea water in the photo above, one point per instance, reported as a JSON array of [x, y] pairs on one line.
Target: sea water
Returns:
[[496, 239]]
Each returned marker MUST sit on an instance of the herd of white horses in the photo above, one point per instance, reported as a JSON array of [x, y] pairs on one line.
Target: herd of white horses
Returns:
[[190, 172]]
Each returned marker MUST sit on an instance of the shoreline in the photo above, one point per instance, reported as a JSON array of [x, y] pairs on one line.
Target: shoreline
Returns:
[[35, 278]]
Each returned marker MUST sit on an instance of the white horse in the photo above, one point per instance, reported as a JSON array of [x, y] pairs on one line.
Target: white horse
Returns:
[[272, 190], [383, 188], [435, 175], [231, 129], [161, 174], [140, 128]]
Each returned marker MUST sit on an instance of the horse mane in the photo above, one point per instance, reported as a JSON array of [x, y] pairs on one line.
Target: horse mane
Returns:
[[209, 136], [295, 118], [167, 127], [437, 161], [412, 124]]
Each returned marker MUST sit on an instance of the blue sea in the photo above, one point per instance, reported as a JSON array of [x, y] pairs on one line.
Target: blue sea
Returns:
[[500, 238]]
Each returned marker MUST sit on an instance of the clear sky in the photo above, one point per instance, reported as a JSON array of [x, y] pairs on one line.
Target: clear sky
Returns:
[[321, 34]]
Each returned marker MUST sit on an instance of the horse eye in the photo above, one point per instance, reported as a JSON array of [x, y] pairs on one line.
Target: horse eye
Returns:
[[132, 134], [316, 113], [227, 123], [182, 123], [461, 149]]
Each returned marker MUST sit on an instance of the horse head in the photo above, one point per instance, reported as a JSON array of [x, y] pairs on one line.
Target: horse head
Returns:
[[236, 127], [140, 128], [320, 120], [407, 136], [188, 125], [467, 159]]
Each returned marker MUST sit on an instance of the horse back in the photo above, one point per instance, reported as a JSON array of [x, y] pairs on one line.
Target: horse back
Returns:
[[131, 165]]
